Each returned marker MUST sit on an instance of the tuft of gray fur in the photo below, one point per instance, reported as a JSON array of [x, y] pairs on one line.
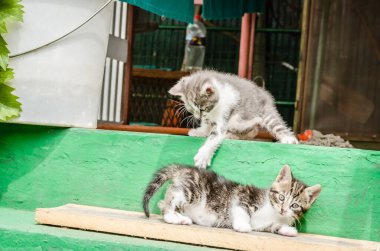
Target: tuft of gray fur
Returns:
[[319, 139]]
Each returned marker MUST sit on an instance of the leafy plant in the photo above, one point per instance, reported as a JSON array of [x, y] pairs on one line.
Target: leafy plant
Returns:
[[10, 10]]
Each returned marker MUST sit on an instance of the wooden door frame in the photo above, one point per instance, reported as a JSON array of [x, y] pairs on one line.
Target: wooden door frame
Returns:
[[299, 109], [128, 67], [299, 122]]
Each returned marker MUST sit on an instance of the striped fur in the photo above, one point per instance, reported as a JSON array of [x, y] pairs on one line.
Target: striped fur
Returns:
[[159, 179], [205, 198]]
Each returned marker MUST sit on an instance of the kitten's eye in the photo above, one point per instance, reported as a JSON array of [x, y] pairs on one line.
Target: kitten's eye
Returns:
[[295, 206], [281, 197]]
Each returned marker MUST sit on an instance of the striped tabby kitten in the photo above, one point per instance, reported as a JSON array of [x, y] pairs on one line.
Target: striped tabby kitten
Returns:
[[228, 107], [202, 197]]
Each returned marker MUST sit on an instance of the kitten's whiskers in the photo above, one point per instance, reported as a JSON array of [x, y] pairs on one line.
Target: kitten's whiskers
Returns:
[[182, 113], [179, 110], [189, 120], [298, 222], [186, 118]]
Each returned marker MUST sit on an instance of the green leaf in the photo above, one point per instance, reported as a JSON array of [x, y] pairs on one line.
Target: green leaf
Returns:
[[9, 106], [4, 54], [3, 28], [10, 10], [6, 75]]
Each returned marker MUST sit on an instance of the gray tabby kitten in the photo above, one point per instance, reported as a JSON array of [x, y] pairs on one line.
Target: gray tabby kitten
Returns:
[[202, 197], [228, 107]]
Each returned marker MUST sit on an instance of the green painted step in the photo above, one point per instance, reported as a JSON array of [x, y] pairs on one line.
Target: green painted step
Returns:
[[49, 167], [18, 231]]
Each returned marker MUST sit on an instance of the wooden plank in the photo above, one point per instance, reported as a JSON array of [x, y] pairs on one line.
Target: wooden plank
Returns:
[[148, 129], [136, 224], [263, 135], [18, 232]]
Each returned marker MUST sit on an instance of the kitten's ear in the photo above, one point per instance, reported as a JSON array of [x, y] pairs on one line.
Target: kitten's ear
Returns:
[[312, 193], [208, 89], [285, 174], [177, 89]]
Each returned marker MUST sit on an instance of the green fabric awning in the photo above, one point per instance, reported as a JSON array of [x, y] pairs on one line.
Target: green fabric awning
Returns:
[[183, 10], [226, 9]]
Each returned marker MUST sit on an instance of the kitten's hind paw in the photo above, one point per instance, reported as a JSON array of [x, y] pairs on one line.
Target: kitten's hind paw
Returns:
[[288, 231], [242, 228], [186, 220]]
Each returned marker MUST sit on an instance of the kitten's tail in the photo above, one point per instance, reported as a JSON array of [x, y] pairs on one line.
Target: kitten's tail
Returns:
[[158, 180]]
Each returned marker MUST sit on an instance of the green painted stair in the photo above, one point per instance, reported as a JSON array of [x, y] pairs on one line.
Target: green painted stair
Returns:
[[49, 167]]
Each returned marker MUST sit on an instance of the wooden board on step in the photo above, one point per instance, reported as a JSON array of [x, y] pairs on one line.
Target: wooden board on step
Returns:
[[136, 224]]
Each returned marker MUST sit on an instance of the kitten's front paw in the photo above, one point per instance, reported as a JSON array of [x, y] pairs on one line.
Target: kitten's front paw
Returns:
[[243, 228], [289, 140], [196, 133], [288, 231], [202, 159]]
